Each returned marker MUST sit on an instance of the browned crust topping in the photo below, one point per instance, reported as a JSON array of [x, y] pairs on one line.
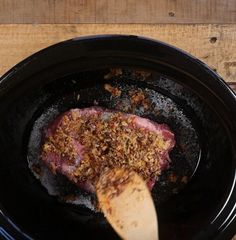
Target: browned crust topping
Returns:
[[109, 140], [115, 92], [113, 182], [138, 98]]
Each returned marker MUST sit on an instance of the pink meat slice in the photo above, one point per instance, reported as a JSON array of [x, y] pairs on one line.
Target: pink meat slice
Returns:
[[59, 164]]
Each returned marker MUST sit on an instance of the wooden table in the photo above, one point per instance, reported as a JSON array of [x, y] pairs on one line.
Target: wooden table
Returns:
[[214, 44], [206, 29]]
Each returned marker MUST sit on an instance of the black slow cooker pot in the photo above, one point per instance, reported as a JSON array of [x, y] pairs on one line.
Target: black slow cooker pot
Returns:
[[205, 208]]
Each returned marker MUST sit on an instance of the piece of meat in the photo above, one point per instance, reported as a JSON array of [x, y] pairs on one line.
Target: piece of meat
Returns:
[[81, 143]]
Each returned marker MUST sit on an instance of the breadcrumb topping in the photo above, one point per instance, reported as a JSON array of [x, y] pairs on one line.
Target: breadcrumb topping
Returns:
[[115, 92], [112, 183], [109, 140]]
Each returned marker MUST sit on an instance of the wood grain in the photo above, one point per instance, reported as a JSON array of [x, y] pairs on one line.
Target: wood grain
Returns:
[[122, 11], [213, 44]]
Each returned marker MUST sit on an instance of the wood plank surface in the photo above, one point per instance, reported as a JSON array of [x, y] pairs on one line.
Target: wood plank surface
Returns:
[[213, 44], [118, 11]]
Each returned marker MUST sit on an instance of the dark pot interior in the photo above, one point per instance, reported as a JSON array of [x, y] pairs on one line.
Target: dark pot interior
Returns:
[[204, 208]]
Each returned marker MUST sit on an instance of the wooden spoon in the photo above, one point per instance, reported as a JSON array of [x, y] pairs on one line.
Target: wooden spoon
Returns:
[[127, 204]]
